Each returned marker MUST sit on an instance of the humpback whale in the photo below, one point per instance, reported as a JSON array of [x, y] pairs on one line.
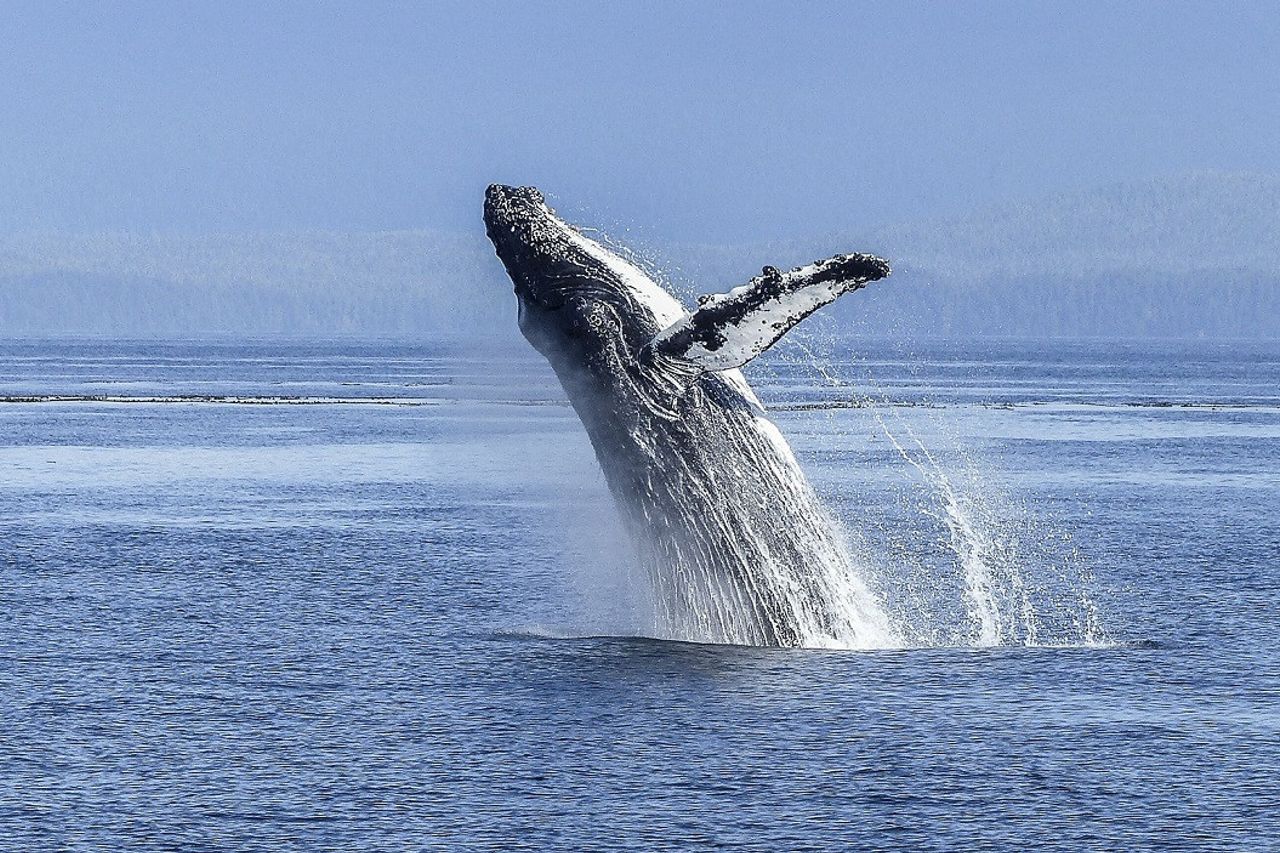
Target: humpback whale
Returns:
[[737, 547]]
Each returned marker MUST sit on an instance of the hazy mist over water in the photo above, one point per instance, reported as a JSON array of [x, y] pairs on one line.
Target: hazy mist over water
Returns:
[[1196, 257]]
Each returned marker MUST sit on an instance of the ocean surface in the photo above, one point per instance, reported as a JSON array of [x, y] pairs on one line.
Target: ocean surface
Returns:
[[339, 596]]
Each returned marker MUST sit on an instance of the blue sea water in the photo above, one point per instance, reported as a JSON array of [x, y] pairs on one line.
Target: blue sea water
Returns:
[[343, 596]]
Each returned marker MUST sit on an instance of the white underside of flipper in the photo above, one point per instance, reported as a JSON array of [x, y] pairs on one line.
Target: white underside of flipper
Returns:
[[730, 329]]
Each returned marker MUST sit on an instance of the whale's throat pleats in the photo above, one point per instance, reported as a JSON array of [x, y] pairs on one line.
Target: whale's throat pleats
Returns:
[[737, 544]]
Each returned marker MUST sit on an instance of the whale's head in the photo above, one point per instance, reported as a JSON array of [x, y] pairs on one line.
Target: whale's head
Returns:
[[579, 302], [530, 240]]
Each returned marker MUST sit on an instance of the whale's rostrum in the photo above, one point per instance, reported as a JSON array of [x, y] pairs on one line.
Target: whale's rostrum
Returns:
[[736, 545]]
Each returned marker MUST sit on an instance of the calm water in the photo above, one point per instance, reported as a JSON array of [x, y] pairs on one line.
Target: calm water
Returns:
[[392, 615]]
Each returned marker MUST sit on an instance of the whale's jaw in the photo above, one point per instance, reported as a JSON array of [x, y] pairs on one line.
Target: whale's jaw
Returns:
[[545, 256], [526, 235]]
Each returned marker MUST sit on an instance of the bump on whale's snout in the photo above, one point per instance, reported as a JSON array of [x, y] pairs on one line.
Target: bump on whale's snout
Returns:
[[515, 217], [503, 204]]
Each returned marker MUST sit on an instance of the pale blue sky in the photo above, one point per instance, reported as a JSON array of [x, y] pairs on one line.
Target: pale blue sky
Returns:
[[701, 121]]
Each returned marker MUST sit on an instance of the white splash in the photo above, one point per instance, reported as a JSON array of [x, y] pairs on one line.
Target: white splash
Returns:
[[986, 536]]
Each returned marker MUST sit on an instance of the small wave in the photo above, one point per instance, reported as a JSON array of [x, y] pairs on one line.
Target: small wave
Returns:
[[826, 405], [543, 633], [1207, 405], [220, 399], [539, 632], [1177, 405], [549, 634]]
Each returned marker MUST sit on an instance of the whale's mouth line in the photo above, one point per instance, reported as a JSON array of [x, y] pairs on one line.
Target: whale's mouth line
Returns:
[[548, 635]]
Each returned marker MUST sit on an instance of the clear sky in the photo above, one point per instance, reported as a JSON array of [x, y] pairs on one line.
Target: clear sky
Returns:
[[716, 121]]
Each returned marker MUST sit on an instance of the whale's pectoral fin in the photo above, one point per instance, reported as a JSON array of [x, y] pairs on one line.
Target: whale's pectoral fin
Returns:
[[730, 329]]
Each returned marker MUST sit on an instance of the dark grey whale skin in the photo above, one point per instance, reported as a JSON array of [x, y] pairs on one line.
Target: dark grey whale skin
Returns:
[[724, 519]]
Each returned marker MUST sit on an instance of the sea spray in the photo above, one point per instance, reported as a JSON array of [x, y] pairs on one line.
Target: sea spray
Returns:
[[1020, 581], [736, 544], [733, 541]]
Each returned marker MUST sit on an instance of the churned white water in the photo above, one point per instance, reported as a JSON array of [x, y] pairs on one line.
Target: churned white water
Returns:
[[758, 568]]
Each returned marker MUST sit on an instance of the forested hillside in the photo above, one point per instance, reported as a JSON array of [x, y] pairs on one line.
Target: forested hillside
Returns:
[[1194, 257]]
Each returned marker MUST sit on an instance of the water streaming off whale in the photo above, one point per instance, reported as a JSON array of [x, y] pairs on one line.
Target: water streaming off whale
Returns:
[[762, 562], [1014, 579], [735, 544], [995, 573]]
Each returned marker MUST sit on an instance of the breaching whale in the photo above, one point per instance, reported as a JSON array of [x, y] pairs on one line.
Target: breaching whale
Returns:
[[736, 544]]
